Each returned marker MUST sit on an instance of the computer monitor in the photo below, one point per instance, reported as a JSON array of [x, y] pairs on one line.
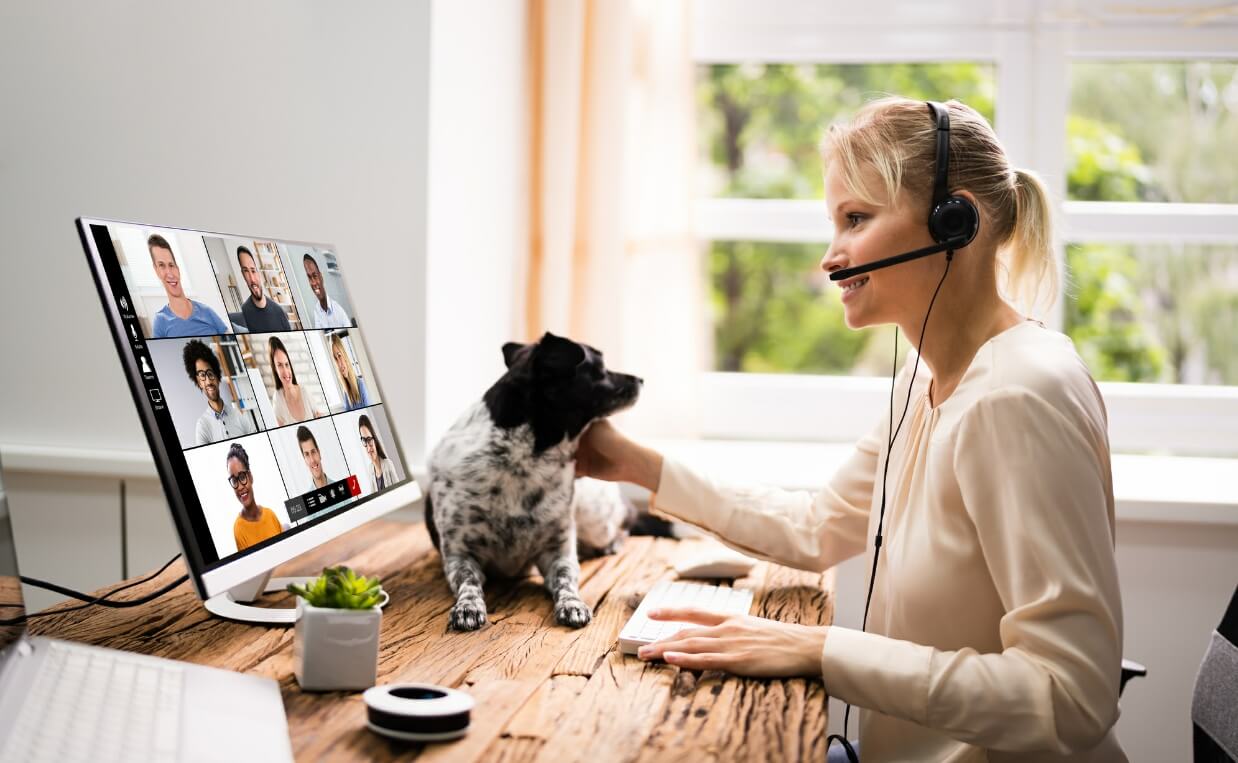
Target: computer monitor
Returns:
[[258, 393]]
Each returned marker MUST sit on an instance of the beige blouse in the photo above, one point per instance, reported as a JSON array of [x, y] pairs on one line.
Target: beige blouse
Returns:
[[995, 630]]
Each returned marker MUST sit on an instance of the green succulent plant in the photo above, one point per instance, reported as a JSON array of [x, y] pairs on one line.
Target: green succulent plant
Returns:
[[340, 588]]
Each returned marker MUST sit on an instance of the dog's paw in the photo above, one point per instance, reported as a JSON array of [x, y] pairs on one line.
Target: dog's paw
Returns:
[[573, 613], [468, 616]]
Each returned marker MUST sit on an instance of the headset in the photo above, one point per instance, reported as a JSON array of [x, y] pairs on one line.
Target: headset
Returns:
[[953, 222]]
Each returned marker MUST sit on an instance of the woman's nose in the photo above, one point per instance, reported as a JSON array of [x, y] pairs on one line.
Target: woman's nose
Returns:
[[833, 260]]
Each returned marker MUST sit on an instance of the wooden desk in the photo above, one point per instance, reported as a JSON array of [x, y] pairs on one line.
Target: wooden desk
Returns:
[[544, 692]]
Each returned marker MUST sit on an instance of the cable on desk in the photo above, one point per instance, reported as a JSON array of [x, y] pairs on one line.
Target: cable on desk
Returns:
[[91, 601]]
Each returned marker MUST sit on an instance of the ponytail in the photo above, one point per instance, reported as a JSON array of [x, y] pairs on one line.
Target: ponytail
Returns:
[[1027, 258]]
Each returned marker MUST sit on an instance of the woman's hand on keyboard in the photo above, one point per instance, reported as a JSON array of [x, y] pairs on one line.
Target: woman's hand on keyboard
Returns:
[[743, 645]]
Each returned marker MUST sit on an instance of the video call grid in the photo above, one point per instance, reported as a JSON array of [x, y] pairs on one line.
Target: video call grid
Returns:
[[352, 327]]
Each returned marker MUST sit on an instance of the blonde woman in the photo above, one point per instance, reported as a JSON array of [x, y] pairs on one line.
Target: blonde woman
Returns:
[[292, 403], [355, 394], [994, 628]]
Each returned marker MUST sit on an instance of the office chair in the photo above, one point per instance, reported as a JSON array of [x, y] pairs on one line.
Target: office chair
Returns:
[[1213, 714]]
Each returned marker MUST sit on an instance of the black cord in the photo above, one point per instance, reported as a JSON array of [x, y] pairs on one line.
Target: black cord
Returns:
[[91, 601], [885, 471]]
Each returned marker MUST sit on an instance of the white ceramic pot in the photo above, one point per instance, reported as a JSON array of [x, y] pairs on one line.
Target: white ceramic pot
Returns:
[[336, 648]]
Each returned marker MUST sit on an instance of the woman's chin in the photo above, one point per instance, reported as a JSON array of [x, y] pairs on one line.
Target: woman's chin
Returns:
[[855, 319]]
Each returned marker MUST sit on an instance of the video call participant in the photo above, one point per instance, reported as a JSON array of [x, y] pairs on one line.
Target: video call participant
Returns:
[[255, 523], [312, 456], [291, 402], [381, 472], [261, 313], [327, 312], [182, 316], [355, 394], [220, 420]]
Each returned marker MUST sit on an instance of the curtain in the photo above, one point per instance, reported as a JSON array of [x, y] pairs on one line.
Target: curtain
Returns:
[[611, 259]]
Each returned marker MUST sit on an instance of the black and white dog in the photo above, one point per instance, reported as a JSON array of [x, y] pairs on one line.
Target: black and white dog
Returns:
[[503, 494]]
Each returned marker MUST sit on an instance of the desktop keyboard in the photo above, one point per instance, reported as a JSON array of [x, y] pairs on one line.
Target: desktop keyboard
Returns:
[[99, 705], [640, 630]]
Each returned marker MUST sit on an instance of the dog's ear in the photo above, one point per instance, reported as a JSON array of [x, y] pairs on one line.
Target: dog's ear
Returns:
[[555, 356], [509, 352]]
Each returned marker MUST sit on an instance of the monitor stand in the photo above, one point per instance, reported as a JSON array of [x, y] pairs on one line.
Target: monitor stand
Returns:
[[234, 604]]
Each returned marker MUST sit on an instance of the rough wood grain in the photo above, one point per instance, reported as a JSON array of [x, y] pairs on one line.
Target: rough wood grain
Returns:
[[544, 691]]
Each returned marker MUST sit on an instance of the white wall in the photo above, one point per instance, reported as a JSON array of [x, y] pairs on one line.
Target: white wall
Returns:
[[478, 229], [281, 118]]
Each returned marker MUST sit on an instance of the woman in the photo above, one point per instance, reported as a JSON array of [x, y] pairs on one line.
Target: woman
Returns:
[[291, 402], [355, 394], [995, 620], [382, 471], [255, 523]]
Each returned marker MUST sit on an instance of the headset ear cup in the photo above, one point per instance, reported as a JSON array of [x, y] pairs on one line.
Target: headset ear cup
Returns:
[[955, 219]]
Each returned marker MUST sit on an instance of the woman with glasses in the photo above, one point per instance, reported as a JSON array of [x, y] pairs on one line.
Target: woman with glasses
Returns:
[[355, 394], [220, 420], [292, 404], [255, 523], [381, 473]]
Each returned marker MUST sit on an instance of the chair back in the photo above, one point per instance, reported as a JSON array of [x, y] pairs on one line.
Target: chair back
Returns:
[[1214, 707]]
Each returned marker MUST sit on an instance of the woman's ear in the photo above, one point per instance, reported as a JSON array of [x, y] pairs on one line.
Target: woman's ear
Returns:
[[969, 196]]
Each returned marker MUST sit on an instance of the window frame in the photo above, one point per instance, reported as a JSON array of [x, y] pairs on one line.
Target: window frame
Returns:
[[1021, 39]]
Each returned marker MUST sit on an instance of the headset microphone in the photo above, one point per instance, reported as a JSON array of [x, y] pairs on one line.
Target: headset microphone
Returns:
[[898, 259]]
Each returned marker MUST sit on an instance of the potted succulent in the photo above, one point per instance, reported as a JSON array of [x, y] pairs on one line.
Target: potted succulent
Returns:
[[336, 640]]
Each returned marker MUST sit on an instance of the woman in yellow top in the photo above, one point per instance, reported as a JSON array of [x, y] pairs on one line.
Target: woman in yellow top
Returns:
[[995, 623], [255, 523]]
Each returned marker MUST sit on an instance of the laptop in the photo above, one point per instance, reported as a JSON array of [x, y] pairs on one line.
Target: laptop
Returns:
[[66, 702]]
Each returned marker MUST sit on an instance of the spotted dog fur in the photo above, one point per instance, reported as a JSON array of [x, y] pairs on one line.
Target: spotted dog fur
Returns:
[[501, 491]]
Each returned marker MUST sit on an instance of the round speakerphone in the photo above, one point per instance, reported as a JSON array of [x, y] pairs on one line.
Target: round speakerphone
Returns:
[[418, 712]]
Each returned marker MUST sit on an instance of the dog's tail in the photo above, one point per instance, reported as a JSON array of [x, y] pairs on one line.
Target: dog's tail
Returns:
[[433, 530], [642, 522]]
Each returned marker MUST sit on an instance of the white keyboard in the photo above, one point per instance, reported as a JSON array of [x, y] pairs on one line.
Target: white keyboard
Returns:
[[99, 705], [640, 630]]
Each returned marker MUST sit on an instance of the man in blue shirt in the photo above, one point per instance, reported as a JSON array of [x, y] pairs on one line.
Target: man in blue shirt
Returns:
[[182, 316]]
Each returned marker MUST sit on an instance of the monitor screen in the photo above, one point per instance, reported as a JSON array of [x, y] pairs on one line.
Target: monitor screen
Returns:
[[250, 366]]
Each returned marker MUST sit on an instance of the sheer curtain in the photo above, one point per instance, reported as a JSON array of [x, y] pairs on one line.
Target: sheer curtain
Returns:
[[611, 258]]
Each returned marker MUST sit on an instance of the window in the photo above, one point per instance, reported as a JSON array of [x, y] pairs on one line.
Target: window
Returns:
[[1153, 131], [1130, 120]]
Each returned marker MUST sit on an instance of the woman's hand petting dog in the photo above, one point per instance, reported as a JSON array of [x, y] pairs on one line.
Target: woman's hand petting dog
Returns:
[[743, 645], [605, 453]]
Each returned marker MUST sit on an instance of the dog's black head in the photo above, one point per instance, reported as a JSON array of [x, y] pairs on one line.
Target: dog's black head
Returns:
[[557, 386]]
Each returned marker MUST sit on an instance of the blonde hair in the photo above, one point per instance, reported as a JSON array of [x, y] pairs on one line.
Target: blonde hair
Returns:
[[350, 379], [897, 138]]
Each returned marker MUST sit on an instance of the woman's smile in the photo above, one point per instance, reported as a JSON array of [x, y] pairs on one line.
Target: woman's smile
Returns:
[[851, 287]]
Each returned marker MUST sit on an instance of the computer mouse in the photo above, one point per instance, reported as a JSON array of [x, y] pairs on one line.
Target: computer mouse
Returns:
[[720, 562]]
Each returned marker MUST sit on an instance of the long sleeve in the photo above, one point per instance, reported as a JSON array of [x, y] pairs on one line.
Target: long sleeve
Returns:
[[796, 528], [1036, 485]]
